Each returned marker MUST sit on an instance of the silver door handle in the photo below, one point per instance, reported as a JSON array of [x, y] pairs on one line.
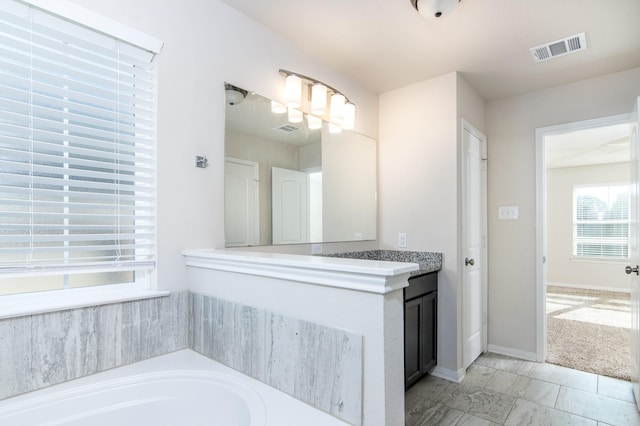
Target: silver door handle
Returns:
[[468, 261], [630, 270]]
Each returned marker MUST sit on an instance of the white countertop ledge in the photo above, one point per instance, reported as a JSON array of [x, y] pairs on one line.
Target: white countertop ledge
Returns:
[[354, 274]]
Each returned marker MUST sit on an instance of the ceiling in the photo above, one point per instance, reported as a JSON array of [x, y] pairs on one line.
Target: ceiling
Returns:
[[598, 145], [386, 44]]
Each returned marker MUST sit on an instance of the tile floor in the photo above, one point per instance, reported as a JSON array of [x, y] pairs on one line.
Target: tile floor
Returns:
[[500, 390]]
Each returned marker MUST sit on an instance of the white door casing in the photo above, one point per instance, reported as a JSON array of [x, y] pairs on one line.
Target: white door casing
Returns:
[[474, 252], [634, 251], [241, 205], [541, 217], [290, 206]]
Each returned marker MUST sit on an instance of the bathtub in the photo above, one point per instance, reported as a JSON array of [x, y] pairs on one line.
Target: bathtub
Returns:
[[182, 388]]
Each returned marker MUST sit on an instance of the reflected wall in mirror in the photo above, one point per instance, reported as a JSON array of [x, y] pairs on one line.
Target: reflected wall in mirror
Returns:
[[288, 184]]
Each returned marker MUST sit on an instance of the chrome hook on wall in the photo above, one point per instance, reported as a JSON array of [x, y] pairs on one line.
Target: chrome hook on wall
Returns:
[[202, 162]]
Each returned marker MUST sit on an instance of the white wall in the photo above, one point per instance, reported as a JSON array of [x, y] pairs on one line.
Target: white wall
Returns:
[[349, 203], [206, 44], [511, 124], [419, 187], [561, 267]]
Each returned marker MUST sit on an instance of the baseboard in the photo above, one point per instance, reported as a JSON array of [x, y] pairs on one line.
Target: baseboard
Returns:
[[590, 287], [451, 375], [515, 353]]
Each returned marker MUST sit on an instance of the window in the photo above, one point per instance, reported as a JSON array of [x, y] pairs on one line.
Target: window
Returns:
[[601, 221], [77, 154]]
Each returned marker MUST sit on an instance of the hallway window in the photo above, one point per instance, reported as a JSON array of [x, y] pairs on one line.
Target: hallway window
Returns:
[[77, 152], [601, 221]]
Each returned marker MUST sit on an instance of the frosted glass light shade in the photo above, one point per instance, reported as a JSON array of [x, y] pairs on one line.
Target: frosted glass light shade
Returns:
[[314, 122], [337, 108], [293, 91], [436, 8], [318, 99], [349, 116], [295, 115], [334, 128], [278, 108]]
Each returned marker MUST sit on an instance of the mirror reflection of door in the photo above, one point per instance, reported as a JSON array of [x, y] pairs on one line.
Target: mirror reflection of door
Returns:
[[290, 206], [241, 211]]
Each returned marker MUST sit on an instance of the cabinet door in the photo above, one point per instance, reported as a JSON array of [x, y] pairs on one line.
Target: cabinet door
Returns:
[[428, 331], [413, 318]]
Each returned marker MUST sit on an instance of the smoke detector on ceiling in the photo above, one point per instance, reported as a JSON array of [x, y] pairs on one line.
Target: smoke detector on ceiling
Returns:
[[557, 48]]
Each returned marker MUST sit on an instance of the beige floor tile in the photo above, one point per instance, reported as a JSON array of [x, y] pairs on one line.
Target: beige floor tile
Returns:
[[564, 376], [499, 389], [429, 387], [439, 414], [500, 362], [598, 407], [615, 388], [478, 375], [469, 420], [480, 402], [533, 390], [414, 408], [529, 413]]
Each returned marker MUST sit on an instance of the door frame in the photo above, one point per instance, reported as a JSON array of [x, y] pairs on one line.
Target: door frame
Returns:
[[541, 217], [466, 126]]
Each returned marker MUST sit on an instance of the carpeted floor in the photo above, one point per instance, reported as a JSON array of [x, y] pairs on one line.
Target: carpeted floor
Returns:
[[589, 330]]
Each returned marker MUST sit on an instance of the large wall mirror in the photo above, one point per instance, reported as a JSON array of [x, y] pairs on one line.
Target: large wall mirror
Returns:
[[288, 184]]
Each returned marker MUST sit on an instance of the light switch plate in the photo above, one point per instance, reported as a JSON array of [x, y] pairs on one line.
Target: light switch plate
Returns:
[[508, 212], [402, 240]]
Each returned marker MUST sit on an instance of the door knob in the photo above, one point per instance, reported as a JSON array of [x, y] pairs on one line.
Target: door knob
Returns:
[[630, 270], [471, 262]]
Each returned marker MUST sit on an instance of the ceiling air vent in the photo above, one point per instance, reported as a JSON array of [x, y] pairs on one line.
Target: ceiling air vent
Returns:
[[287, 128], [559, 48]]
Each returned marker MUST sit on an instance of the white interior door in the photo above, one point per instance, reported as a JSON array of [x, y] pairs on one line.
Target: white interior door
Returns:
[[241, 209], [290, 206], [634, 251], [473, 243]]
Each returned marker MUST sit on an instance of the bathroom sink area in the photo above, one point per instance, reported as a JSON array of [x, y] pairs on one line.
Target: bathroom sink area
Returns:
[[427, 261], [420, 308]]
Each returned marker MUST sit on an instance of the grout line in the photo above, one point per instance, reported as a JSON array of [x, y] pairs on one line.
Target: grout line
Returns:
[[511, 410], [555, 404]]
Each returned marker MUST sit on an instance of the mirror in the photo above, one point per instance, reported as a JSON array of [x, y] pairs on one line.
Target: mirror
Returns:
[[288, 184]]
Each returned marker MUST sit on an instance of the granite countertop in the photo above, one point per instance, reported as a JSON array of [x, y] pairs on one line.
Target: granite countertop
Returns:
[[427, 261]]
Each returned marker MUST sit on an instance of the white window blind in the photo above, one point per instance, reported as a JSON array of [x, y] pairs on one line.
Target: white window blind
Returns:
[[77, 148], [601, 221]]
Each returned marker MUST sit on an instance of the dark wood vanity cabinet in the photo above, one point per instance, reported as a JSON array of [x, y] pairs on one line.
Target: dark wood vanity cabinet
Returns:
[[420, 322]]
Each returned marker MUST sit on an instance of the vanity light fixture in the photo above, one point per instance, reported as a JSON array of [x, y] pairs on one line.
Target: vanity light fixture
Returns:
[[336, 115], [319, 99], [349, 116], [295, 115], [293, 91], [434, 8], [278, 108], [314, 122], [322, 101], [334, 128]]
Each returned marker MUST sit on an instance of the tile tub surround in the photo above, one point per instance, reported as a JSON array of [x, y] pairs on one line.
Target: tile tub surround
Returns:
[[40, 350], [319, 365], [362, 296], [427, 261]]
